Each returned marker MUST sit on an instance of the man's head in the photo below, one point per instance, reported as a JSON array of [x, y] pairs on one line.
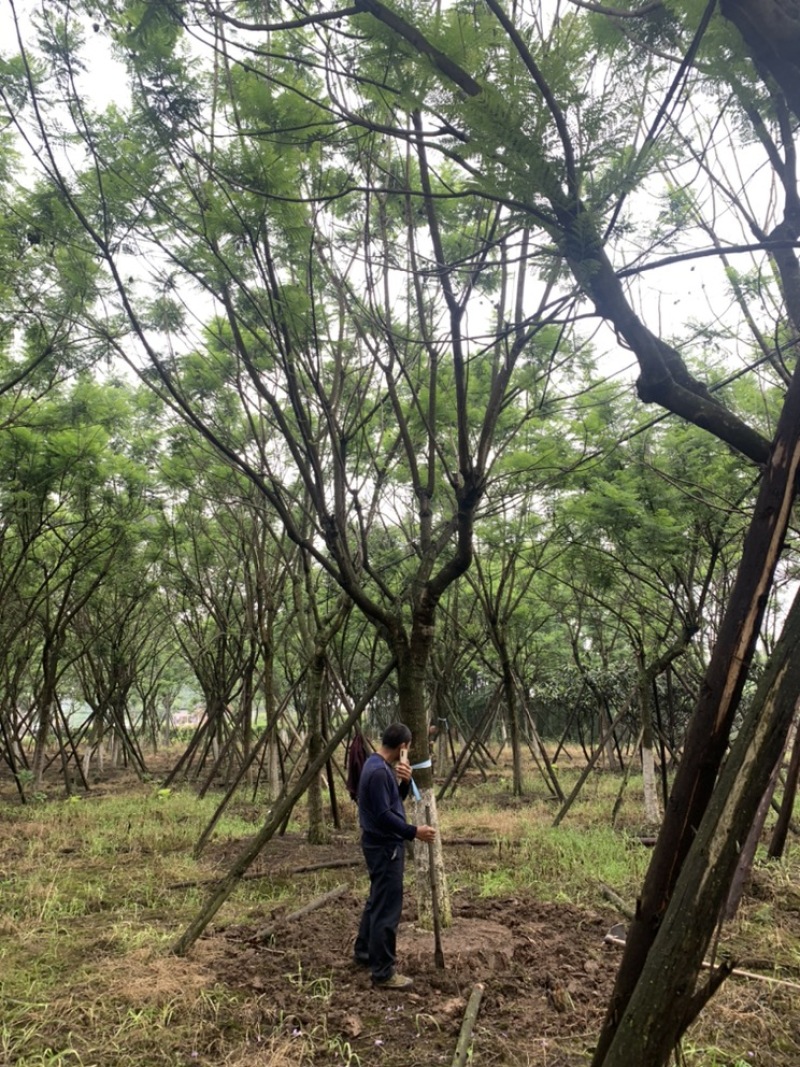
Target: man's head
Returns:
[[395, 736]]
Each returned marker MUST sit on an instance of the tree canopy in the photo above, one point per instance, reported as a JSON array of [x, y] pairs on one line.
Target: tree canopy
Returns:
[[510, 292]]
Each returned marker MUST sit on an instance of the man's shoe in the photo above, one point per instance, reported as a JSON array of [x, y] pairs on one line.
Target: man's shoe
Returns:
[[397, 981], [361, 961]]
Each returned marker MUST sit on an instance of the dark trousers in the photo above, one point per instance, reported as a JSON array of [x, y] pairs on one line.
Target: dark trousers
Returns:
[[377, 932]]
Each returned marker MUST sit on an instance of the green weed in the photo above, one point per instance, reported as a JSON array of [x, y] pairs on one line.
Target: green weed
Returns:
[[343, 1051], [317, 988], [497, 883]]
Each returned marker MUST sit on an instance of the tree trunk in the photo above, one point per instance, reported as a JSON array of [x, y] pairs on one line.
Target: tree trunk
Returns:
[[778, 841], [412, 661], [46, 702], [652, 806], [666, 999], [318, 831], [744, 866], [512, 712]]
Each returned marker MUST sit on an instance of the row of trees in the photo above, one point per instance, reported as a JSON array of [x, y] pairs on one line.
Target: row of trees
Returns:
[[359, 251], [136, 573]]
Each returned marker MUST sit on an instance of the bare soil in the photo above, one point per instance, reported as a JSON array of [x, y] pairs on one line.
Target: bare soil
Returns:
[[546, 971]]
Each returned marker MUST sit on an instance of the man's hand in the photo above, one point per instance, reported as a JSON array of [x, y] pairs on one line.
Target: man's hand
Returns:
[[403, 771], [426, 834]]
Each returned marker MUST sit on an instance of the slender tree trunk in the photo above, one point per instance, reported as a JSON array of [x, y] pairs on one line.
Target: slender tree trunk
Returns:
[[652, 806], [512, 713], [778, 841], [47, 697], [272, 759], [318, 830], [412, 661], [744, 865]]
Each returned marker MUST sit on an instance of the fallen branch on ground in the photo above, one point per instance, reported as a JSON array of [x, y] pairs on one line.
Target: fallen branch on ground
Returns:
[[254, 876], [470, 1015], [733, 971], [267, 932], [469, 841], [617, 901], [326, 865]]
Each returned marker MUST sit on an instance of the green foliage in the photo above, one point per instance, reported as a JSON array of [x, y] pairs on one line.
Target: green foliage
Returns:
[[249, 227], [155, 26]]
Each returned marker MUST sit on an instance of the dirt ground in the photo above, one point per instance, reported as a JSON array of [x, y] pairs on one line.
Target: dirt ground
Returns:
[[546, 973], [546, 970]]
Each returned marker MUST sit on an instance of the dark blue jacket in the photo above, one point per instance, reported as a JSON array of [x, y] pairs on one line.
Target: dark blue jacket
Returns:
[[380, 809]]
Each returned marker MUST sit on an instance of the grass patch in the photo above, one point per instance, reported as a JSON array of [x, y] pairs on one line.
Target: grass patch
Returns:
[[89, 907], [96, 891]]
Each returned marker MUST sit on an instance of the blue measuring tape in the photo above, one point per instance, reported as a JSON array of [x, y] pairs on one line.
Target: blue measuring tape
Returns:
[[416, 767]]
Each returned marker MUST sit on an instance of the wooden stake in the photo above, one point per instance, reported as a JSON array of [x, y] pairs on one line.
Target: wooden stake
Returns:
[[438, 953]]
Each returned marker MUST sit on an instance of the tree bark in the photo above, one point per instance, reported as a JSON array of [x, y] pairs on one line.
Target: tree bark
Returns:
[[647, 1032], [709, 729]]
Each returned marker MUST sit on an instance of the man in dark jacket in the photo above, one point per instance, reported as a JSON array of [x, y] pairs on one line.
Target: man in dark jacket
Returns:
[[384, 832]]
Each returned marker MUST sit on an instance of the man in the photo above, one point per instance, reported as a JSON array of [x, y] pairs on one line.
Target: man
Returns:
[[384, 831]]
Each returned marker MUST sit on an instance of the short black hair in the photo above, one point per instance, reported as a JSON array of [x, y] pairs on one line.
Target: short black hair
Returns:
[[395, 735]]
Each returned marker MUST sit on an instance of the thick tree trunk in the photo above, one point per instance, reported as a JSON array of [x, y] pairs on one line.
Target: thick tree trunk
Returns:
[[412, 661], [666, 999], [709, 729]]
